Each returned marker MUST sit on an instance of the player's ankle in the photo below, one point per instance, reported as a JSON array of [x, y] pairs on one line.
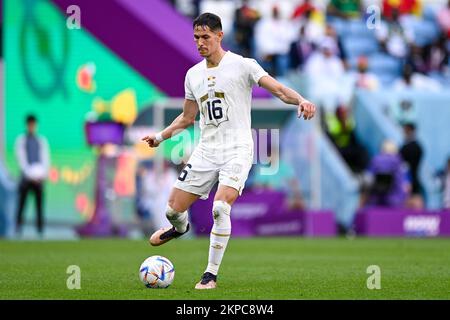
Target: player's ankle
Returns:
[[212, 270], [181, 229]]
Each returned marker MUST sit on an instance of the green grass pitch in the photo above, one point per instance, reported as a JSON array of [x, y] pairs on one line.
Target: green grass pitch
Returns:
[[269, 268]]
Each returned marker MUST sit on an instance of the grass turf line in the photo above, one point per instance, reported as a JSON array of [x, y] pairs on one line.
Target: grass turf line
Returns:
[[262, 268]]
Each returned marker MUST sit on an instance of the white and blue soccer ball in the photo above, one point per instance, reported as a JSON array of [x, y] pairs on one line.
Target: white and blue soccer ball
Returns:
[[157, 272]]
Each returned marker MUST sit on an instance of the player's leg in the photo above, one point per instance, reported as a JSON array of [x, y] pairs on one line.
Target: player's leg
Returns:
[[176, 212], [38, 193], [195, 181], [220, 234], [232, 179], [221, 231], [24, 187]]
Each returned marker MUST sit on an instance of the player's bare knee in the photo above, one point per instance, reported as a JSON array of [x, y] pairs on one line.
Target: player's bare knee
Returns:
[[228, 195], [174, 205], [171, 202]]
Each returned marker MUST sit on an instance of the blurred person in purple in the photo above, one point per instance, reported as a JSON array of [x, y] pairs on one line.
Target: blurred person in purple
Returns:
[[388, 176]]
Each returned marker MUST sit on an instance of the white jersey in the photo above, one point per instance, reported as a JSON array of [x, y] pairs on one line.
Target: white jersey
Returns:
[[223, 94]]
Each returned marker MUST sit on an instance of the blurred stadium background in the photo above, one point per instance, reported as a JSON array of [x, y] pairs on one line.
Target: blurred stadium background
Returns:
[[348, 172]]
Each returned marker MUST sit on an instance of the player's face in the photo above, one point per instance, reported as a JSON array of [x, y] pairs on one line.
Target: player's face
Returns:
[[31, 127], [207, 41]]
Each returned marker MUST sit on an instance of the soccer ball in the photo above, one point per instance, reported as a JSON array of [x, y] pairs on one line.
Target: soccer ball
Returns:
[[157, 272]]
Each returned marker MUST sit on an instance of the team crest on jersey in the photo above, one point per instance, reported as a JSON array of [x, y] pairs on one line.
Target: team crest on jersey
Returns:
[[211, 81]]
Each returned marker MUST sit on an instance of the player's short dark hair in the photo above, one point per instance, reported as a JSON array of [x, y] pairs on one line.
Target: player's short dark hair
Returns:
[[409, 125], [209, 20], [31, 118]]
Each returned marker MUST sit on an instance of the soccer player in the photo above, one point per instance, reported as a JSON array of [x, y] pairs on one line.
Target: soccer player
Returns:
[[220, 87]]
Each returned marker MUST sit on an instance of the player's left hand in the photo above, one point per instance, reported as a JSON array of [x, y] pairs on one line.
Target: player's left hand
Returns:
[[306, 109], [151, 141]]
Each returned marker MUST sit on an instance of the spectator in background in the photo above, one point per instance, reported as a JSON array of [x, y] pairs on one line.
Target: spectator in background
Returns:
[[438, 56], [402, 7], [402, 110], [418, 60], [443, 18], [389, 183], [245, 19], [325, 62], [331, 32], [33, 157], [364, 79], [273, 38], [411, 152], [345, 9], [394, 37], [300, 50], [341, 130], [312, 19], [325, 72], [416, 81]]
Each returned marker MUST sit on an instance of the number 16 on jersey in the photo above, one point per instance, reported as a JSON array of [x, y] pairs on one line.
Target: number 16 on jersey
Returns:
[[214, 112]]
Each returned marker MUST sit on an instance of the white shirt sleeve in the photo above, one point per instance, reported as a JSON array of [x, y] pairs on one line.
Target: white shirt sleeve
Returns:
[[21, 155], [255, 71], [188, 94]]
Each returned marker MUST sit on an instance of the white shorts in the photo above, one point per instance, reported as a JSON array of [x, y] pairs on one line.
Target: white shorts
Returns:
[[201, 173]]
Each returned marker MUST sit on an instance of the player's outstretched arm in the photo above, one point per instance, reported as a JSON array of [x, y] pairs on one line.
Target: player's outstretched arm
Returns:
[[305, 108], [184, 120]]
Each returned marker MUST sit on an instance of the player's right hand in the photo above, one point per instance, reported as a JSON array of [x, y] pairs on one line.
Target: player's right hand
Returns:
[[151, 141]]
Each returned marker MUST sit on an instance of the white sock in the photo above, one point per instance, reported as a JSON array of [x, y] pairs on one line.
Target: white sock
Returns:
[[220, 234], [177, 219]]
